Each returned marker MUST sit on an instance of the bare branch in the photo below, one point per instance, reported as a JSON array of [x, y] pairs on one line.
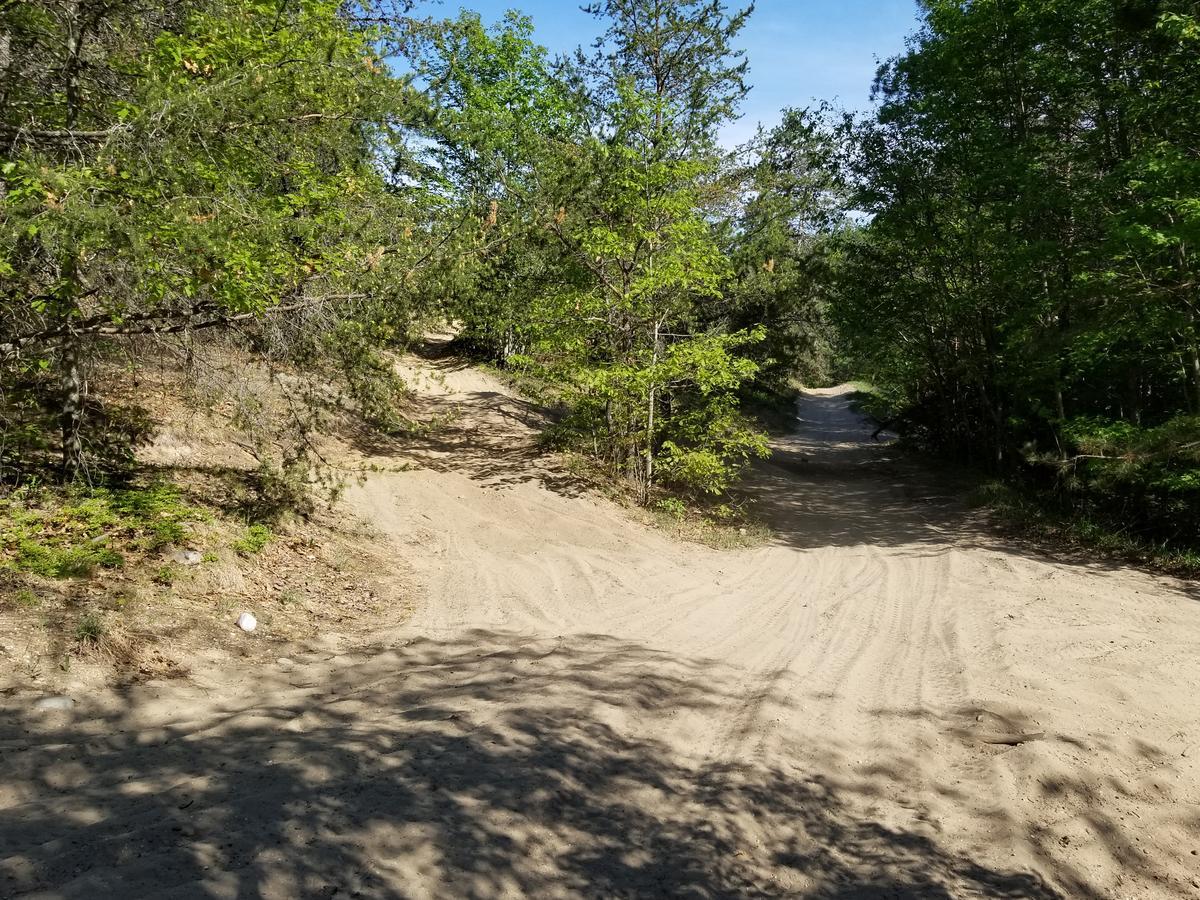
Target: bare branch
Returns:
[[157, 322], [54, 134]]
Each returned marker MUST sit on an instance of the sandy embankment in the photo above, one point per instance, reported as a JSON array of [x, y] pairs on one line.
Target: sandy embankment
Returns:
[[581, 707]]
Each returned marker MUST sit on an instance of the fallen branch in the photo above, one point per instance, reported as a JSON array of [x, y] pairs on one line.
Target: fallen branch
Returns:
[[55, 134]]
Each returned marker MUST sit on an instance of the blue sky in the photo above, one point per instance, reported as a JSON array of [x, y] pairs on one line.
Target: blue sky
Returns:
[[799, 50]]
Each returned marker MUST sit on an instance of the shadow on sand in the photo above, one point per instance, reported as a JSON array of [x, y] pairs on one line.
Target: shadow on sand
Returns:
[[482, 767], [831, 484]]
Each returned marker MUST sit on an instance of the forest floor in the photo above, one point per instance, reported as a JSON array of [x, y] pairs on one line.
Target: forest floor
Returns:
[[883, 699]]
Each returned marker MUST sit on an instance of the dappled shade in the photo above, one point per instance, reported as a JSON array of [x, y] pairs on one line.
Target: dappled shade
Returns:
[[479, 767]]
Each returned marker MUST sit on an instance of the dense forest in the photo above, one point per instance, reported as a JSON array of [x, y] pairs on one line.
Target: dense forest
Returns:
[[1026, 292], [1002, 250]]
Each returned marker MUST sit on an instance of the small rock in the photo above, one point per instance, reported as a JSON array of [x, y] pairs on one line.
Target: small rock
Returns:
[[54, 703], [247, 622], [302, 723], [187, 557]]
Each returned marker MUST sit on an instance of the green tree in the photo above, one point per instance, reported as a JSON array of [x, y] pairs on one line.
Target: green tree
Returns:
[[789, 201], [635, 221], [210, 163], [501, 121], [1025, 289]]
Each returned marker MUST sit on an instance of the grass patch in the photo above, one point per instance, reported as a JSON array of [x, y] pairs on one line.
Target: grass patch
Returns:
[[717, 525], [70, 533], [255, 539], [27, 599], [89, 630]]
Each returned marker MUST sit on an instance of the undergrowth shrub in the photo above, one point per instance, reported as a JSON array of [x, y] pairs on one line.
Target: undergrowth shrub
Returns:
[[73, 532], [255, 539], [89, 630]]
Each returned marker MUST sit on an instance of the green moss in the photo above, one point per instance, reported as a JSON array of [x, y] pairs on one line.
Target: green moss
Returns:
[[52, 560], [71, 533], [256, 537]]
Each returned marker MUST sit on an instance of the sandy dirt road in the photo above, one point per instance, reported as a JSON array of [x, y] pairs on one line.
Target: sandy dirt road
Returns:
[[884, 701]]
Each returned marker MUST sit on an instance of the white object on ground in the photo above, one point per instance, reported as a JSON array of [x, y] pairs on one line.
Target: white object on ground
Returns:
[[187, 557], [247, 622], [54, 703]]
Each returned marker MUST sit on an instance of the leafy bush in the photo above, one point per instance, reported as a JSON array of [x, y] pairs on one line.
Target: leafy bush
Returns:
[[672, 415], [673, 507], [256, 538], [1142, 483]]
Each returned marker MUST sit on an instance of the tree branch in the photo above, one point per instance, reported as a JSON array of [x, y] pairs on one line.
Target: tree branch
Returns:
[[144, 323], [54, 134]]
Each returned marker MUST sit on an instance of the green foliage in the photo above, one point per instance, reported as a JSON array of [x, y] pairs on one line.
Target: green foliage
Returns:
[[1033, 513], [211, 163], [1024, 292], [254, 540], [590, 186], [257, 168], [500, 118], [286, 486], [1006, 248], [790, 199], [702, 442], [673, 507], [1140, 480], [654, 376], [71, 534], [234, 228]]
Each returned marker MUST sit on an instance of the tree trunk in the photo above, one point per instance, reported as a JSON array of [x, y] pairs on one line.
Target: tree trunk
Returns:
[[1194, 365], [649, 481], [508, 346], [5, 56], [74, 50], [72, 410]]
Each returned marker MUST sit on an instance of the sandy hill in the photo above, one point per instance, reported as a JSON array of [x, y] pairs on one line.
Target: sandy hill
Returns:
[[884, 700]]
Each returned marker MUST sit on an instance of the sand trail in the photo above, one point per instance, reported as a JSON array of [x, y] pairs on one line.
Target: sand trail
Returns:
[[582, 707]]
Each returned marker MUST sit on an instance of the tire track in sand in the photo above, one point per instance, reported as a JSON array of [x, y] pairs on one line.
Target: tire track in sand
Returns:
[[581, 707]]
